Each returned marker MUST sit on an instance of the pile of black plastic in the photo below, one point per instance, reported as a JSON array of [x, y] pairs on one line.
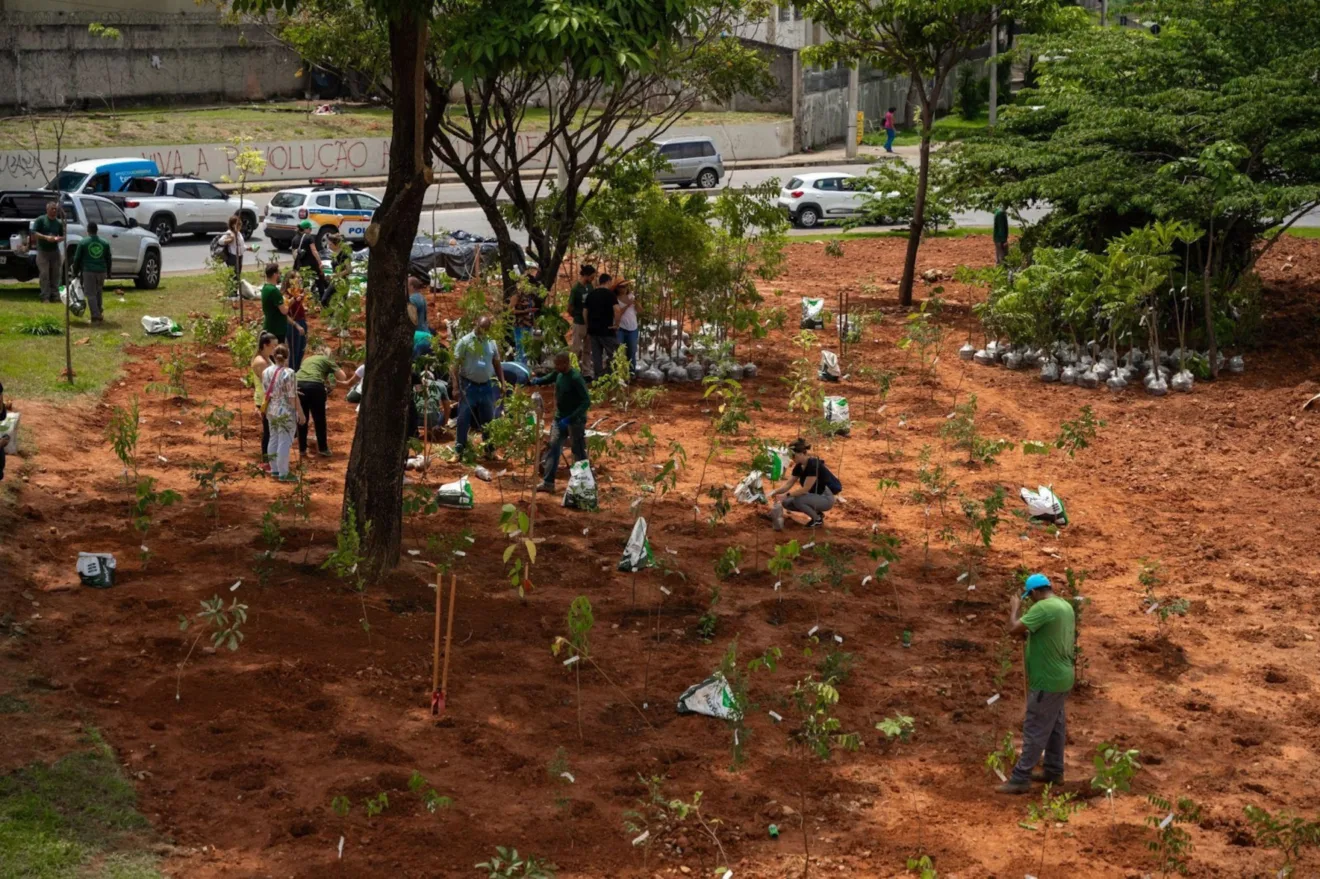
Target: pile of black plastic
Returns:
[[457, 254]]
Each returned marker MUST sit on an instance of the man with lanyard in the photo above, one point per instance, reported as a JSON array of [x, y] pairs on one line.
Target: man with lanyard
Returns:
[[572, 400], [49, 232], [307, 256], [807, 489], [1050, 628], [91, 263], [476, 364], [577, 311]]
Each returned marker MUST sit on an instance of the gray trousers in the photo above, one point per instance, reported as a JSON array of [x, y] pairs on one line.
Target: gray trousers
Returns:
[[93, 284], [1045, 729], [48, 269], [814, 505]]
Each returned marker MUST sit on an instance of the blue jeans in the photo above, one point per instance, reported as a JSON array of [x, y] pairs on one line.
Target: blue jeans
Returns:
[[577, 438], [520, 333], [478, 404], [889, 139], [629, 338], [297, 344]]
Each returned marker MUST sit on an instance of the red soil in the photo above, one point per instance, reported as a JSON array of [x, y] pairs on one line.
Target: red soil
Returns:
[[239, 774]]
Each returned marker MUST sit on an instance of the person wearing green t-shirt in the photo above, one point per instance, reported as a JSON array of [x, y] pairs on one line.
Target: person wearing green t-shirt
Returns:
[[48, 231], [577, 305], [313, 388], [1050, 629], [275, 314], [91, 263], [572, 400]]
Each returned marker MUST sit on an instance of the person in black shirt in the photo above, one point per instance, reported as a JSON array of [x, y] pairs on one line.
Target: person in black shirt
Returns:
[[600, 325], [806, 490], [577, 301]]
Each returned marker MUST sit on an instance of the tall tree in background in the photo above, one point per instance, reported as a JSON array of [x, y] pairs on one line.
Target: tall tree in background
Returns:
[[1214, 121], [924, 40]]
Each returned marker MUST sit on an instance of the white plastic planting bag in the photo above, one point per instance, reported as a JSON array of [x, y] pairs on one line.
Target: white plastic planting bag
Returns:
[[72, 296], [96, 569], [829, 367], [160, 326], [456, 494], [9, 428], [836, 411], [780, 463], [581, 491], [750, 490], [712, 697], [811, 314], [1044, 504], [637, 553]]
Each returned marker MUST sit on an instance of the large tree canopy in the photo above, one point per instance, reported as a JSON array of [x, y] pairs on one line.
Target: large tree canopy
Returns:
[[1214, 121]]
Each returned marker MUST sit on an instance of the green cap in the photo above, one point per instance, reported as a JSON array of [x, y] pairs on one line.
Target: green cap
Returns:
[[305, 224]]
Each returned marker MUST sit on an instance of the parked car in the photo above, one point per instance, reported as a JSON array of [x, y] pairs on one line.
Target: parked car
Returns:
[[811, 199], [172, 205], [101, 176], [692, 160], [134, 251], [330, 206]]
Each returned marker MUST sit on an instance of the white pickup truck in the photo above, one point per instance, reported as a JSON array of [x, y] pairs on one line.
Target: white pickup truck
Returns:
[[175, 205]]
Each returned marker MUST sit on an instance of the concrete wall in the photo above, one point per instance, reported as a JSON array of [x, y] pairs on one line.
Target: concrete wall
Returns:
[[822, 118], [49, 58], [364, 157]]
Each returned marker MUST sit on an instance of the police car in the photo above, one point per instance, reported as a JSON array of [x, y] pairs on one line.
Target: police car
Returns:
[[330, 205]]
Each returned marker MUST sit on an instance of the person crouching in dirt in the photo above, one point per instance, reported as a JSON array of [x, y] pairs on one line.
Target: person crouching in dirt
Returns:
[[809, 489], [1048, 627]]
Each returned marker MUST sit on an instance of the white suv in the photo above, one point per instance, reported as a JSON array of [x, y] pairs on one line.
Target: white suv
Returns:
[[811, 199], [330, 206]]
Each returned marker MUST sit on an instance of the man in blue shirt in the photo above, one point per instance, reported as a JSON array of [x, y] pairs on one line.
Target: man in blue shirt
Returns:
[[475, 366]]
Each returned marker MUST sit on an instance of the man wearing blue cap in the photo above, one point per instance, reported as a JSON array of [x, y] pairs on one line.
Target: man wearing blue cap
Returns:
[[1048, 627]]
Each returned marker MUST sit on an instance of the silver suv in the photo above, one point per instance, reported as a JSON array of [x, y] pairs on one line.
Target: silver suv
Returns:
[[692, 160]]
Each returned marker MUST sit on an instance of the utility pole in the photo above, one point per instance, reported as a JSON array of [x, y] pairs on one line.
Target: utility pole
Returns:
[[994, 65], [854, 87]]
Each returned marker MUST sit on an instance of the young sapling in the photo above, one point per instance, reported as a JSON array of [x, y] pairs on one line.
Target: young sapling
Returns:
[[1114, 769], [225, 625]]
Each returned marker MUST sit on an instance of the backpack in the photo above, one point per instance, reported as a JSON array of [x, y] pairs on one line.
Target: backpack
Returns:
[[826, 478], [218, 245]]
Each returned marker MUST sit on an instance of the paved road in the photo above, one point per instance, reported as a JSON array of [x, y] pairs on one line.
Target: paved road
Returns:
[[190, 254]]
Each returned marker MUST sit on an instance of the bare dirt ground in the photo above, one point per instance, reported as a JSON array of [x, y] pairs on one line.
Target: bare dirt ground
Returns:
[[240, 772]]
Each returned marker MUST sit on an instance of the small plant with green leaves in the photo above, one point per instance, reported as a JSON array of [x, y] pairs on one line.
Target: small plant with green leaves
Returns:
[[898, 728], [738, 677], [729, 562], [209, 332], [1114, 770], [709, 622], [1172, 844], [1076, 435], [508, 864], [961, 429], [175, 369], [884, 486], [836, 568], [242, 348], [1050, 810], [272, 539], [431, 799], [341, 805], [720, 505], [561, 776], [883, 552], [980, 521], [780, 564], [346, 560], [1289, 833], [1071, 588], [612, 387], [1005, 654], [923, 866], [731, 411], [1151, 578], [817, 734], [1001, 760], [805, 395], [40, 326], [218, 424], [934, 483], [145, 504], [514, 431], [835, 667], [122, 432], [209, 478], [659, 817], [581, 620], [516, 526], [923, 335], [225, 625], [377, 804]]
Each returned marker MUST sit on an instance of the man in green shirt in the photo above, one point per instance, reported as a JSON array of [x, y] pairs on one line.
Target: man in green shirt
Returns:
[[577, 310], [49, 232], [313, 388], [572, 400], [1000, 235], [91, 263], [275, 314], [1049, 627]]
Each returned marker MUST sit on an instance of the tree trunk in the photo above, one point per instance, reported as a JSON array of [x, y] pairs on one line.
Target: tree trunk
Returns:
[[1209, 304], [918, 208], [373, 485]]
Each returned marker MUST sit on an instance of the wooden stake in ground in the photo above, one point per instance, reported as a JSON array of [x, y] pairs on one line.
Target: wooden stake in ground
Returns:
[[435, 658], [443, 693]]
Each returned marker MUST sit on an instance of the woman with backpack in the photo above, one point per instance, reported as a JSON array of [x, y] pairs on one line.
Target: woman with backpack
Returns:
[[809, 489], [283, 410]]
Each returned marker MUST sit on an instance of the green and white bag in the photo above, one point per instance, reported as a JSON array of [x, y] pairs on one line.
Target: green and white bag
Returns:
[[96, 569], [781, 462], [581, 491], [456, 494], [637, 554], [712, 697], [836, 412], [812, 309], [750, 490]]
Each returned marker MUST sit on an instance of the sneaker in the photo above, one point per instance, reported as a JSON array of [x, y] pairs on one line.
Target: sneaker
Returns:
[[1014, 787], [1040, 776], [545, 487], [817, 522], [325, 453]]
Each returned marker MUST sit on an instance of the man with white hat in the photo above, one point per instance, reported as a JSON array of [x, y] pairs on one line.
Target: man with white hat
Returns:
[[1049, 627]]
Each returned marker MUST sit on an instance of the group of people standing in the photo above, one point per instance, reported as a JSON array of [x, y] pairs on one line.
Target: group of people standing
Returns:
[[604, 315], [90, 263]]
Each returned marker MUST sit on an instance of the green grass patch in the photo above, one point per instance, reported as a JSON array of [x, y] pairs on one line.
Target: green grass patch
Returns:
[[946, 128], [1303, 232], [31, 366], [74, 819], [290, 120]]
